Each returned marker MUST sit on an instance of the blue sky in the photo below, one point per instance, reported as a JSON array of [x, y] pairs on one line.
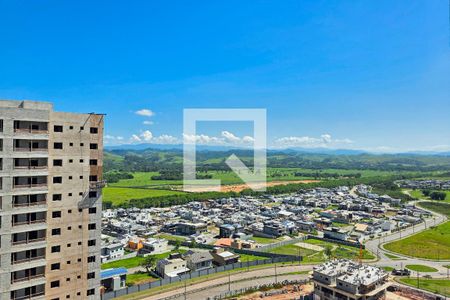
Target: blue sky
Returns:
[[339, 74]]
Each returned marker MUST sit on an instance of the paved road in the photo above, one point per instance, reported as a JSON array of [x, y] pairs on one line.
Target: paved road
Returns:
[[210, 288], [376, 247]]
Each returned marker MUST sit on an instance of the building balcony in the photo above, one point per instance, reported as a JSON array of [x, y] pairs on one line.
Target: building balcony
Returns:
[[27, 260], [33, 292], [30, 163], [30, 149], [29, 185], [28, 241], [34, 296], [30, 127], [29, 237], [29, 200], [27, 278], [28, 222], [28, 274], [26, 182], [28, 145]]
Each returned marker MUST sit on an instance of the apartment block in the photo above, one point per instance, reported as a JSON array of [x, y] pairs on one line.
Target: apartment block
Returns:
[[346, 280], [50, 202]]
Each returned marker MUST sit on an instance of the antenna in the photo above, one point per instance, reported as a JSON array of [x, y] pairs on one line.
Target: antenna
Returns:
[[360, 253]]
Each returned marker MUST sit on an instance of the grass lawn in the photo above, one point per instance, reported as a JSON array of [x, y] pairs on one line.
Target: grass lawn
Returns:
[[439, 286], [292, 250], [134, 262], [170, 237], [125, 263], [421, 268], [338, 251], [436, 206], [433, 243], [419, 195], [119, 195], [388, 269], [263, 240], [247, 257], [342, 251], [393, 256], [139, 277]]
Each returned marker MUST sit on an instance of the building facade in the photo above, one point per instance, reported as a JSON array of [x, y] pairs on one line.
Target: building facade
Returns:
[[50, 192]]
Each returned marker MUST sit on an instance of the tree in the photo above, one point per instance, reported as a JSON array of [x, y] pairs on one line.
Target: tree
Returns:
[[177, 244], [438, 195], [328, 251], [426, 193], [148, 263]]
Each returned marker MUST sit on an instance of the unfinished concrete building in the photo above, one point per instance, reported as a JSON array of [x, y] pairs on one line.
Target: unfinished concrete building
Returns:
[[50, 202], [346, 280]]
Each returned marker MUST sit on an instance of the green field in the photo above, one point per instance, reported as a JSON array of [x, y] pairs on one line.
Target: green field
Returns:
[[139, 277], [136, 261], [439, 286], [118, 195], [247, 257], [263, 240], [433, 243], [337, 251], [436, 206], [127, 263], [421, 268], [393, 257], [419, 195]]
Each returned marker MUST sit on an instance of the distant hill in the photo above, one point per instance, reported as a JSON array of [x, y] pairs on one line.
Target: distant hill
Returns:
[[153, 159]]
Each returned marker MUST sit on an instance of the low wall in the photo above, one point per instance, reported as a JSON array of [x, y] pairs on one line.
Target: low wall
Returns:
[[193, 274], [345, 243]]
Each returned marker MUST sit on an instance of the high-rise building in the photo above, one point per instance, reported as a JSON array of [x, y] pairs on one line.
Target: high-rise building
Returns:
[[50, 202]]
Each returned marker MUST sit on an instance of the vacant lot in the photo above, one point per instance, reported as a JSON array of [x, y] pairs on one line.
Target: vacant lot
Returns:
[[436, 206], [419, 195], [337, 251], [433, 243], [440, 286], [119, 195]]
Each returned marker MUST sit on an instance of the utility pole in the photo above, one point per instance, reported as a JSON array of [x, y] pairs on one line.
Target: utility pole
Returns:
[[276, 279], [185, 289], [418, 280], [229, 281]]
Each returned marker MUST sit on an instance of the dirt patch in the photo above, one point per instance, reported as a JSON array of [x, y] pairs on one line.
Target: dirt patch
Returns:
[[241, 187], [288, 292], [310, 247]]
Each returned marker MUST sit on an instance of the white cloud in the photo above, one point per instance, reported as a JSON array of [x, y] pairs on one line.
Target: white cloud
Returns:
[[147, 122], [145, 112], [146, 136], [111, 139], [229, 137], [324, 141], [226, 138], [134, 138], [166, 139]]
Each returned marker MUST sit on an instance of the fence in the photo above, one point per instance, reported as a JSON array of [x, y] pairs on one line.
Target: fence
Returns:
[[261, 251], [419, 294], [129, 255], [268, 290], [195, 274], [345, 243], [280, 244]]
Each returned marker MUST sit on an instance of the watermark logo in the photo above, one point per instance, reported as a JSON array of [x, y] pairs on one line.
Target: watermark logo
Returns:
[[254, 178]]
